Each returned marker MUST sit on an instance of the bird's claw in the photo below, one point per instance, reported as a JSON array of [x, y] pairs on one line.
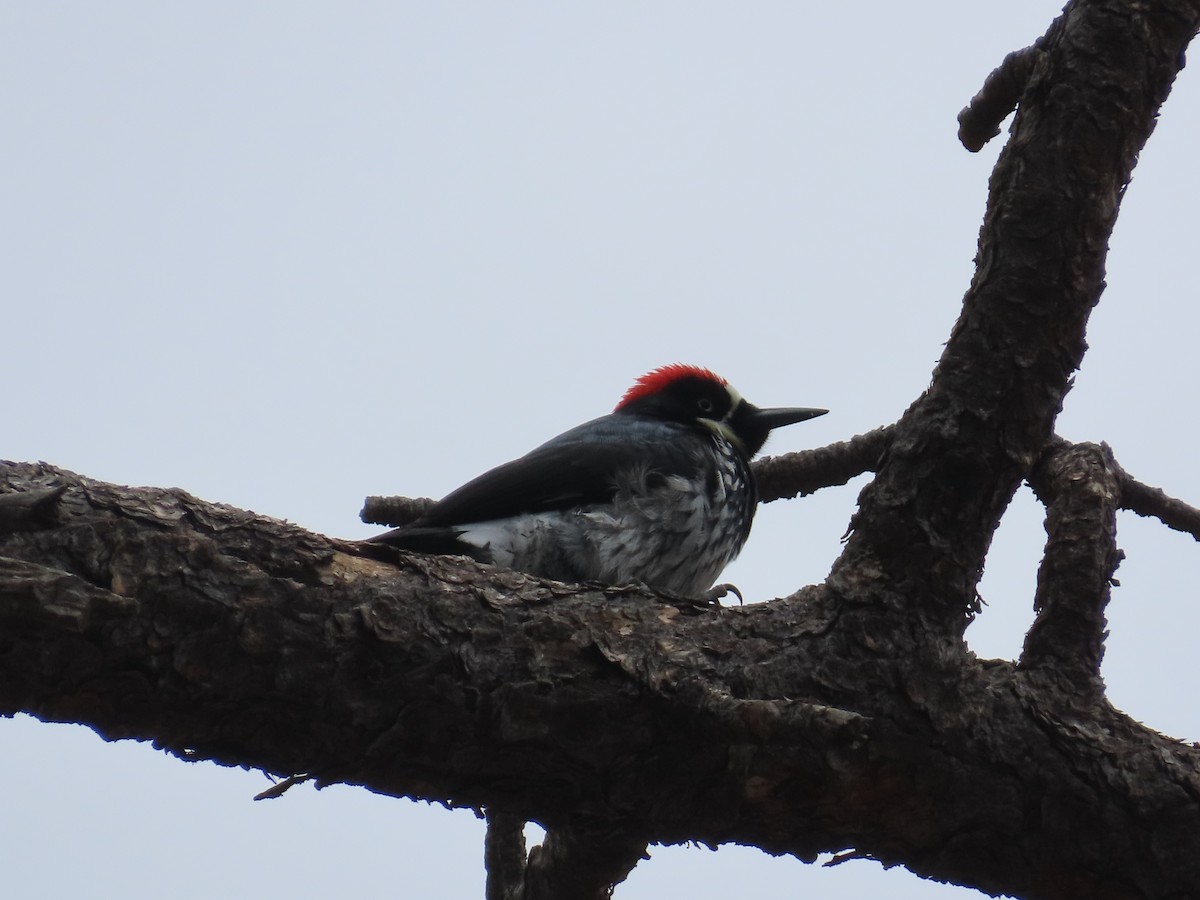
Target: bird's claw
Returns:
[[715, 593]]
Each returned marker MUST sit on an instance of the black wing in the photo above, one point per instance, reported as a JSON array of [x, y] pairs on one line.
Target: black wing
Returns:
[[579, 467], [559, 477]]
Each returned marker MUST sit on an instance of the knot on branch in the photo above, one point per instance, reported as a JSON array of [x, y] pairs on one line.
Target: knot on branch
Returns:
[[776, 721], [979, 121], [29, 509]]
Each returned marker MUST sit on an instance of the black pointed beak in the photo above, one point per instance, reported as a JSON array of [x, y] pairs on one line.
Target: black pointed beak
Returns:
[[752, 424], [768, 419]]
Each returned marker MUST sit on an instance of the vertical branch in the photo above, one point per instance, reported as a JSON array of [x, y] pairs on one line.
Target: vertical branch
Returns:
[[1079, 483], [504, 855]]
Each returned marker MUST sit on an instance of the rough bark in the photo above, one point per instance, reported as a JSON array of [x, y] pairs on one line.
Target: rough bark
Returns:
[[848, 716], [800, 726]]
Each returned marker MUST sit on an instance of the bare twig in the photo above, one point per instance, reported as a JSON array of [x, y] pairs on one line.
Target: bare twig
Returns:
[[393, 511], [778, 477], [845, 856], [801, 473], [1151, 501], [281, 788]]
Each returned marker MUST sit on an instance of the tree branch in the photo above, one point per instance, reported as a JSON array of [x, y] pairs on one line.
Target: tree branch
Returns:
[[959, 452], [1080, 486], [980, 119], [805, 472], [1151, 501], [504, 856], [849, 716], [800, 726], [394, 511]]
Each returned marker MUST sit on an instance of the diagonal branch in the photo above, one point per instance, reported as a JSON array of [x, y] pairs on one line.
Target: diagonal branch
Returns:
[[1089, 104]]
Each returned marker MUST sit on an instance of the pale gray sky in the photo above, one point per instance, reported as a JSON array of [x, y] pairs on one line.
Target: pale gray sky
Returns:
[[285, 255]]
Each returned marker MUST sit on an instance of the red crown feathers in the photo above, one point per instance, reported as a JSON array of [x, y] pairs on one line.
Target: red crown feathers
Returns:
[[656, 381]]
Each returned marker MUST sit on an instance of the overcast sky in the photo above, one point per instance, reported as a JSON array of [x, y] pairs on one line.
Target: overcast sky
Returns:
[[285, 255]]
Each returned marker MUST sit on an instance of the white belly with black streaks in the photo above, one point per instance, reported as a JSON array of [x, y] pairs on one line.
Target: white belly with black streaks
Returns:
[[669, 532]]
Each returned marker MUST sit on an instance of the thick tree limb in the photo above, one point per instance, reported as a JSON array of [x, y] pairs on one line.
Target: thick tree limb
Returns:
[[958, 454], [800, 726]]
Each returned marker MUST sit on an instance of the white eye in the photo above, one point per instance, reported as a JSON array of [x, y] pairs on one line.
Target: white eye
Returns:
[[704, 405]]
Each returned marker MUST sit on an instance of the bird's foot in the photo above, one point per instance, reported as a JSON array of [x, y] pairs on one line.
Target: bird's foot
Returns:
[[714, 594]]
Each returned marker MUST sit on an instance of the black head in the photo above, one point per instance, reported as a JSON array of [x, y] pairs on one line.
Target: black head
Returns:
[[696, 396]]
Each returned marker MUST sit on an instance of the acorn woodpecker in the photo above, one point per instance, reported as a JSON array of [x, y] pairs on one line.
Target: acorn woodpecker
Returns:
[[659, 491]]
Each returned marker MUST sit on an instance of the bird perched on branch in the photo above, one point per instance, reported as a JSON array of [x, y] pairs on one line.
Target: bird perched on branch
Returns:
[[659, 491]]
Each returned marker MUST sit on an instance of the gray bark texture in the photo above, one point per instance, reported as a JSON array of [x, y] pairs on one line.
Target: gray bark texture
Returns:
[[847, 717]]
